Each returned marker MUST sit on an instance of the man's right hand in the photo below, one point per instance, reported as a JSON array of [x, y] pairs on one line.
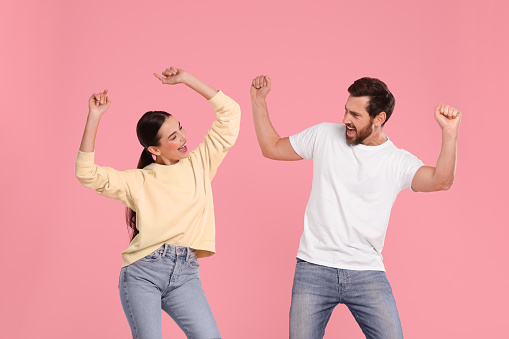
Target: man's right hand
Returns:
[[260, 87], [448, 118]]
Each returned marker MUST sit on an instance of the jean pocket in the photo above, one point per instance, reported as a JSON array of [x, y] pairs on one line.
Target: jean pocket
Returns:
[[300, 261], [193, 262], [154, 256], [121, 277]]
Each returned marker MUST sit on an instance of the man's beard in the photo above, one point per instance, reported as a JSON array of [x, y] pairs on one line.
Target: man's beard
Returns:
[[361, 135]]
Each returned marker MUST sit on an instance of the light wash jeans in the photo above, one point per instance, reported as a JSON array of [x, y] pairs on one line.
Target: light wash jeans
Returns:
[[318, 289], [166, 279]]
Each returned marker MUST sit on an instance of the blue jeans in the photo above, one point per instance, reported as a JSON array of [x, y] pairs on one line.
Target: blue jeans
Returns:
[[166, 279], [367, 294]]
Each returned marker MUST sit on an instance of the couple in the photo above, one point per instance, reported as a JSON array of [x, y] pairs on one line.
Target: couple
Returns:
[[357, 174]]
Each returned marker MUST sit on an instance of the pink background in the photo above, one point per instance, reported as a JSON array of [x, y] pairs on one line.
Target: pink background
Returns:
[[445, 253]]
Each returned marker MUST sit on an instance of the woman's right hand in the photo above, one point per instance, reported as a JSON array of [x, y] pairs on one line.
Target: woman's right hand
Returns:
[[172, 76], [99, 103]]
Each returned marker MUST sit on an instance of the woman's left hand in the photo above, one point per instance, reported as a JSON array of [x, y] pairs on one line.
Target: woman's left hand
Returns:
[[172, 76]]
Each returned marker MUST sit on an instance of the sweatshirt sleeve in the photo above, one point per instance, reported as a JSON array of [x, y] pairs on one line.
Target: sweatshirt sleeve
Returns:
[[119, 185], [222, 135]]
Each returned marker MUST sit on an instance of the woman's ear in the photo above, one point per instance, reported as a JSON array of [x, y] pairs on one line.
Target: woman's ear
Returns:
[[154, 150]]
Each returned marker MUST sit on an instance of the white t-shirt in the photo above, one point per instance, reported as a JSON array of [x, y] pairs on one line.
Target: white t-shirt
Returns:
[[354, 188]]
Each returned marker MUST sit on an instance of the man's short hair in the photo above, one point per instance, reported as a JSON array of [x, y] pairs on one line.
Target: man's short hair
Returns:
[[380, 98]]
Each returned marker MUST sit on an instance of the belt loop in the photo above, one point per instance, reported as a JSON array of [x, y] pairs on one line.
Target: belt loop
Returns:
[[165, 249], [188, 252]]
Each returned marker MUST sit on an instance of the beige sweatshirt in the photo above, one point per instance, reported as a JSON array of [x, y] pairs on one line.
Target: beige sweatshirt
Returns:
[[173, 203]]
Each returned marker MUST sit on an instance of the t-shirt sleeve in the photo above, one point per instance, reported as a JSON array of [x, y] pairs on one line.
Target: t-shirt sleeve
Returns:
[[303, 143], [119, 185], [221, 136], [409, 164]]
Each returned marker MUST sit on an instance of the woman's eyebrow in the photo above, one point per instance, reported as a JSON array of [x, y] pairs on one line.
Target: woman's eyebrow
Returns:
[[173, 132]]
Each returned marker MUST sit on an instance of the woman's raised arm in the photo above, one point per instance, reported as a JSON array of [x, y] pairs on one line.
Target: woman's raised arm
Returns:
[[98, 103], [173, 76]]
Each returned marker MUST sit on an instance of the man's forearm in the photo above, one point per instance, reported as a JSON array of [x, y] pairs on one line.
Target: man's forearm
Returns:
[[265, 132], [446, 163]]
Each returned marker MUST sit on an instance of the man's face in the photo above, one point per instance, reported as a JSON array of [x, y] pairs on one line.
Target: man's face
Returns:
[[359, 124]]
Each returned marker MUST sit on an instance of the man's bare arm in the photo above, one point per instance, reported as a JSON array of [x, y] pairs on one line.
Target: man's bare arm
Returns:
[[441, 177], [272, 145]]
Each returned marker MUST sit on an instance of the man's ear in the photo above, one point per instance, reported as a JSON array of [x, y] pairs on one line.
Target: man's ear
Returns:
[[154, 150], [380, 118]]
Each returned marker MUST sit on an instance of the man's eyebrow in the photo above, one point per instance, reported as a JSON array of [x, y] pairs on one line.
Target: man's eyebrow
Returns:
[[354, 113]]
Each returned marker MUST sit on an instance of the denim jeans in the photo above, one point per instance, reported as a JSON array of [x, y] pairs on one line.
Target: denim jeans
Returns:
[[367, 294], [166, 279]]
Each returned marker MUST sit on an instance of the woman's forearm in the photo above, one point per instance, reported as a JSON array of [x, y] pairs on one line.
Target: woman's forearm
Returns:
[[199, 86], [98, 104], [89, 134]]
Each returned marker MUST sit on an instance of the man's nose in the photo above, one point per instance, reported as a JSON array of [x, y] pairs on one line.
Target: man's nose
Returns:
[[346, 119]]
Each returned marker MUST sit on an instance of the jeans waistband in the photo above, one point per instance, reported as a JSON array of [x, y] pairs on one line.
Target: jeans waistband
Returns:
[[177, 251]]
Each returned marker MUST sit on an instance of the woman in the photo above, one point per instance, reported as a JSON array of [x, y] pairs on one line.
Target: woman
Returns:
[[170, 209]]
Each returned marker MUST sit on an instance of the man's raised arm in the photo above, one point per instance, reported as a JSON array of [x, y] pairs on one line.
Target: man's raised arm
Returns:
[[272, 145], [441, 177]]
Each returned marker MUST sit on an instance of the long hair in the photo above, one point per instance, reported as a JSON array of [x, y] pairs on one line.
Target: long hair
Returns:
[[147, 131]]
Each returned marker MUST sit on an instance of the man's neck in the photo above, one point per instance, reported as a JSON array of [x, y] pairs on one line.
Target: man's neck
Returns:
[[376, 138]]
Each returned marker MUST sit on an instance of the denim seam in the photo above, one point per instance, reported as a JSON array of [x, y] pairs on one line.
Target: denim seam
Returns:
[[170, 277], [152, 260], [324, 324], [178, 269], [340, 286], [174, 275], [344, 279], [356, 316], [124, 283], [191, 265]]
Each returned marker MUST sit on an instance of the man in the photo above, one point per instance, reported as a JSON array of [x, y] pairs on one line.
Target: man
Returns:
[[357, 174]]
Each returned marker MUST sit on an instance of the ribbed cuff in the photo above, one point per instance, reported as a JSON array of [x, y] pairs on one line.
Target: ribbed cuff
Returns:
[[218, 100], [85, 157]]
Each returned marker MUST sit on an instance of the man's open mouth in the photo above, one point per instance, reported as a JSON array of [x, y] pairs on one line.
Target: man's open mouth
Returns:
[[350, 131]]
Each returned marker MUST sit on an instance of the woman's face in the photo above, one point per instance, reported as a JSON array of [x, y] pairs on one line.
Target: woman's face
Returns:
[[172, 143]]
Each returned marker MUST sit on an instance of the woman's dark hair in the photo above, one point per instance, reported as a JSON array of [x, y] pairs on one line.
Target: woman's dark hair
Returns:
[[380, 98], [147, 131]]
